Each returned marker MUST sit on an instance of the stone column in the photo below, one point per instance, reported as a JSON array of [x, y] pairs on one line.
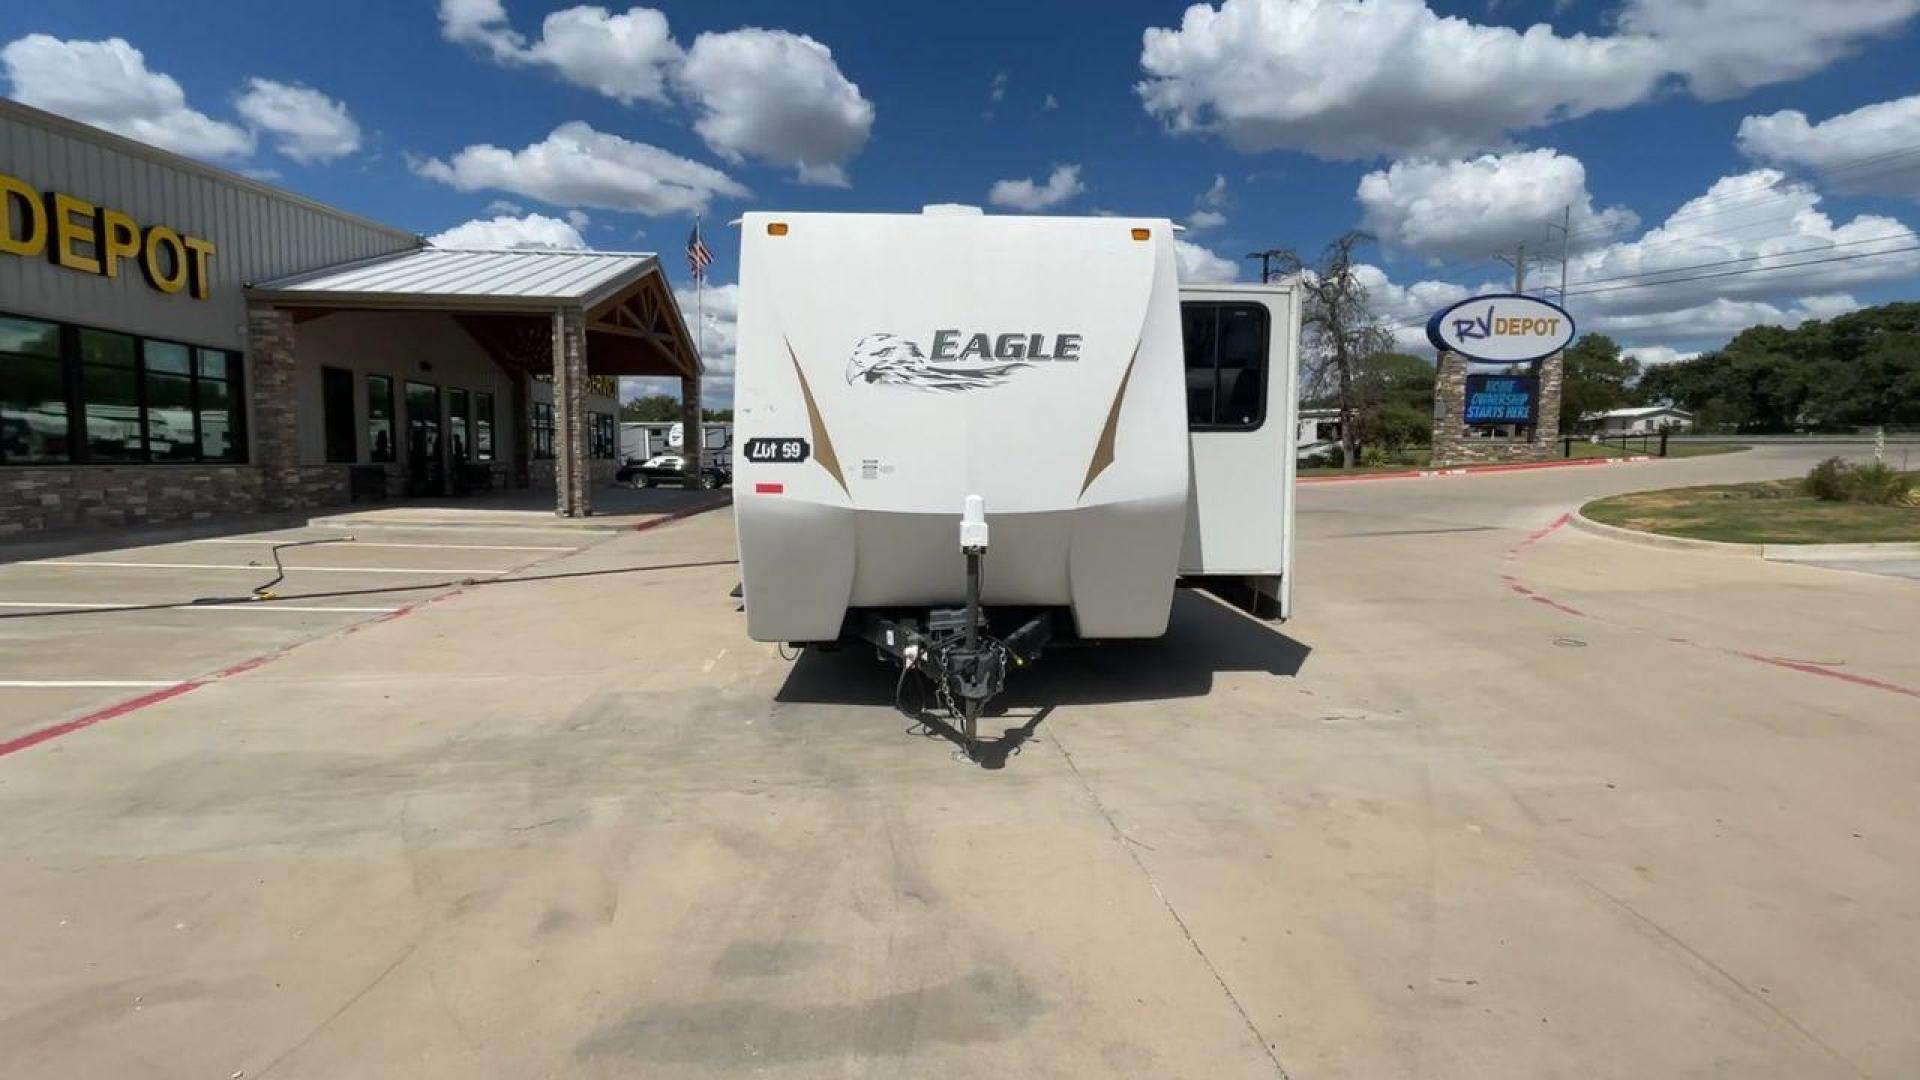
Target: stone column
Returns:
[[572, 469], [273, 418], [693, 447], [1449, 409], [1546, 433]]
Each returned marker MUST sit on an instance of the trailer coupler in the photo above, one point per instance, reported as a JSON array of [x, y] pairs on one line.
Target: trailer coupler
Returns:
[[964, 676]]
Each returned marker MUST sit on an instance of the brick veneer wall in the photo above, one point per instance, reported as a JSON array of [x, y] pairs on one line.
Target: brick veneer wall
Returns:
[[79, 496], [1454, 442]]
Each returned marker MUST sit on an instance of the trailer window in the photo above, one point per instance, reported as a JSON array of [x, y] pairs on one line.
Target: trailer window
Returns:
[[1226, 346]]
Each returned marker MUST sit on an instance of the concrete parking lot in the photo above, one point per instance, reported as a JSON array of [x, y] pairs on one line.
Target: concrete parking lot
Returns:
[[1504, 799]]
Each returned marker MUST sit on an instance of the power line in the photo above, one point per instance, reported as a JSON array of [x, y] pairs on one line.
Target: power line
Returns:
[[1421, 321], [1760, 194], [1749, 270], [1905, 234]]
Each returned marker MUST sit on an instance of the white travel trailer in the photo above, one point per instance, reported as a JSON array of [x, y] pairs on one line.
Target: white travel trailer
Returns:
[[961, 436]]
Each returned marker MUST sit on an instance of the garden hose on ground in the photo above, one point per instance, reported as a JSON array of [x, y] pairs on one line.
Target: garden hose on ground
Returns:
[[265, 592]]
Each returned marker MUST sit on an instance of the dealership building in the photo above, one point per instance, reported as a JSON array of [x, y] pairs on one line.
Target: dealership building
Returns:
[[178, 341]]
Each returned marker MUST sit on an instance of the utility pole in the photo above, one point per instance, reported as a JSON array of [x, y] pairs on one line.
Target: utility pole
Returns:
[[1566, 247], [1266, 262], [1519, 264]]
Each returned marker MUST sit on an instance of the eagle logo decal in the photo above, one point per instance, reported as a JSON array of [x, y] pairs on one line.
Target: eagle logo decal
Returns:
[[893, 360]]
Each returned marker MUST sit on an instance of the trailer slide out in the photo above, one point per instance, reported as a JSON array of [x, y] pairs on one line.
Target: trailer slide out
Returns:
[[961, 436]]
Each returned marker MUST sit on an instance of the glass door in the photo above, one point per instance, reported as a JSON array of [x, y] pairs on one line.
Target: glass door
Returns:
[[426, 454]]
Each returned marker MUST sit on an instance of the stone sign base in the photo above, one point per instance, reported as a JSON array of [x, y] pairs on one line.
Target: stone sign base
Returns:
[[1454, 443]]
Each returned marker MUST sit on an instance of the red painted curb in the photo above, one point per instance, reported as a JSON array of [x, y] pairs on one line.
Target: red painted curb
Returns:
[[35, 738], [1469, 470]]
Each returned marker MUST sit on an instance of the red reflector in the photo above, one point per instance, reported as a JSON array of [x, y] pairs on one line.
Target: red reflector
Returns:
[[769, 489]]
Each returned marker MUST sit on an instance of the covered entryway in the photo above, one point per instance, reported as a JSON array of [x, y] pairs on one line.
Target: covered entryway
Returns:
[[464, 368]]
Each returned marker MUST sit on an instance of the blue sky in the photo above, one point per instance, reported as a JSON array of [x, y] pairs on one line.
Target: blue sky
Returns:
[[1449, 129]]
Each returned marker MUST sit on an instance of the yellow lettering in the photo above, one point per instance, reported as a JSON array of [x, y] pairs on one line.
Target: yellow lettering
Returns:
[[119, 239], [66, 231], [168, 279], [32, 215], [202, 252]]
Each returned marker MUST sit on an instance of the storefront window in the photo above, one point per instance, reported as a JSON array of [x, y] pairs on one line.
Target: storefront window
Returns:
[[33, 395], [380, 417], [540, 430], [126, 399], [603, 434], [483, 427], [221, 408]]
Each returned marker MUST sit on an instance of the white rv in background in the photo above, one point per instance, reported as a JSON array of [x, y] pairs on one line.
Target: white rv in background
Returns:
[[960, 436]]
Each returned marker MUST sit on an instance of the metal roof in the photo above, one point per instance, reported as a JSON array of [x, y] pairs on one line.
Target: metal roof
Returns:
[[468, 277]]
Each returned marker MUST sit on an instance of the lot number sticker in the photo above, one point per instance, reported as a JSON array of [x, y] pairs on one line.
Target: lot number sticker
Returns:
[[777, 451]]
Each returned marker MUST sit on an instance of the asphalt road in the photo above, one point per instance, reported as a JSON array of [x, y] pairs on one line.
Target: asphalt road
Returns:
[[1504, 799]]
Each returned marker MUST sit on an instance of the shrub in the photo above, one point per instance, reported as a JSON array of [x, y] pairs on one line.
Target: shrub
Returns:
[[1879, 484], [1876, 483], [1828, 480]]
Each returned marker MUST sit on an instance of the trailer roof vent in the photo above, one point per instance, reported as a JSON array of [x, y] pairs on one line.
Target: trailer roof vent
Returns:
[[948, 209]]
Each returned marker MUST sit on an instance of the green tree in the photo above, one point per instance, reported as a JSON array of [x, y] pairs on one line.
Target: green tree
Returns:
[[1394, 401], [653, 407], [1594, 378]]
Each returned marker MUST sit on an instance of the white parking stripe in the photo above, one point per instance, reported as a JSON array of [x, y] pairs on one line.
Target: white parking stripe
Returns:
[[384, 544], [102, 684], [234, 605], [256, 569]]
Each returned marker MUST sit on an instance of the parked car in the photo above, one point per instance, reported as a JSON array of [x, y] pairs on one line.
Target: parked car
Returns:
[[667, 469]]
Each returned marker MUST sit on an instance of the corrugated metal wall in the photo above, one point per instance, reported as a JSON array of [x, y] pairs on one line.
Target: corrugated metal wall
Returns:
[[258, 234]]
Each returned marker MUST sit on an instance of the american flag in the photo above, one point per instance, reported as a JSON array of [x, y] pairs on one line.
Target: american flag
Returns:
[[698, 257]]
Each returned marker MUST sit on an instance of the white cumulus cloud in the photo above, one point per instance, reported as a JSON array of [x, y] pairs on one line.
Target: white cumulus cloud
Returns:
[[1345, 79], [1658, 355], [306, 125], [627, 57], [767, 95], [1196, 265], [531, 231], [1202, 220], [1724, 48], [1751, 236], [776, 97], [576, 166], [107, 84], [1024, 194], [1469, 209], [1874, 149]]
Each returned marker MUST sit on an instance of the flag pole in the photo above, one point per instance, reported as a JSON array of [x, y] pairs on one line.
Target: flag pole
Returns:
[[700, 301]]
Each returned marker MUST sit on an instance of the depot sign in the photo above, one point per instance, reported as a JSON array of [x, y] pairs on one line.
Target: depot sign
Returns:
[[1503, 329], [78, 235]]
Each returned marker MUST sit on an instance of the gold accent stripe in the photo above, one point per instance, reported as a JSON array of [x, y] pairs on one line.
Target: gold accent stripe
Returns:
[[822, 443], [1103, 450]]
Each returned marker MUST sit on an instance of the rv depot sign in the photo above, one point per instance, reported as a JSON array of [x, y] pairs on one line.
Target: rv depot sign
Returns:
[[77, 235], [1503, 329]]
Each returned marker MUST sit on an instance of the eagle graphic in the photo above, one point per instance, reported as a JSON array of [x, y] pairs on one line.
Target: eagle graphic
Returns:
[[896, 361]]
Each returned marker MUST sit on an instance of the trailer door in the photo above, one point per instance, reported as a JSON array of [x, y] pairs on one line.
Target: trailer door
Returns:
[[1240, 409]]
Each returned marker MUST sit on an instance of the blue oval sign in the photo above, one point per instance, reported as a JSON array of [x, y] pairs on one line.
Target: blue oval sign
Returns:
[[1506, 328]]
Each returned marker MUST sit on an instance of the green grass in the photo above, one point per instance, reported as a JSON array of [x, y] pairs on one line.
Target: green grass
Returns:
[[1418, 459], [1768, 512]]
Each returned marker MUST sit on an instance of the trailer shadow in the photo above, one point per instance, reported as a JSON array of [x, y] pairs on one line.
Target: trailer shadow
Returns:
[[1204, 636]]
